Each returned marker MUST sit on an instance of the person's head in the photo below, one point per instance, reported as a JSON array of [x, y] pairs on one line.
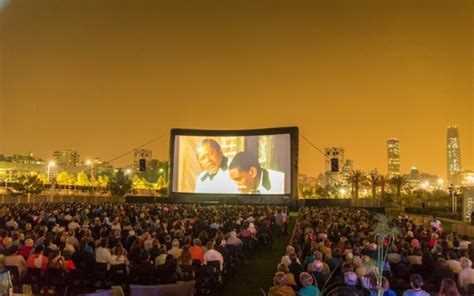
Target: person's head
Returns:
[[350, 278], [104, 243], [465, 262], [441, 263], [29, 242], [306, 279], [279, 279], [283, 268], [118, 250], [448, 287], [197, 242], [209, 154], [175, 243], [290, 249], [385, 283], [346, 267], [416, 281], [210, 245], [293, 257], [39, 249], [245, 170]]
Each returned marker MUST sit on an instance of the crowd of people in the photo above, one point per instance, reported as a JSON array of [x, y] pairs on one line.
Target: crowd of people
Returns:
[[334, 251], [128, 243]]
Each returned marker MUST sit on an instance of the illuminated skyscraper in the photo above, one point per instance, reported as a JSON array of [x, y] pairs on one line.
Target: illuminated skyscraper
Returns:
[[393, 149], [454, 156]]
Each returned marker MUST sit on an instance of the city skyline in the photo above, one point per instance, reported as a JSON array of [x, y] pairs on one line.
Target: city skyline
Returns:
[[105, 79]]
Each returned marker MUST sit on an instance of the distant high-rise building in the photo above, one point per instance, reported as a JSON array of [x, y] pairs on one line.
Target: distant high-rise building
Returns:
[[334, 159], [393, 149], [141, 160], [454, 156], [69, 157], [334, 165]]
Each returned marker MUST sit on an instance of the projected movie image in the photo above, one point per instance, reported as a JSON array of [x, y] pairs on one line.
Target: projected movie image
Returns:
[[232, 165]]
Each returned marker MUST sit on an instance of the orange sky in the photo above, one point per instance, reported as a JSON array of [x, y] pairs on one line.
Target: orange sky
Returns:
[[106, 76]]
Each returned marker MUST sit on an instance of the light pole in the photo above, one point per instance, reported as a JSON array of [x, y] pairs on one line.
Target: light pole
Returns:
[[50, 164]]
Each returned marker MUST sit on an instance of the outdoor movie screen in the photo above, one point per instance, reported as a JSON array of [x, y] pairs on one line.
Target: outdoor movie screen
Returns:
[[242, 164]]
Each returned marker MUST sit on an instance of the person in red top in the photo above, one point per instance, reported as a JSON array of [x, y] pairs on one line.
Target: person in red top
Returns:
[[196, 251], [26, 250], [37, 260]]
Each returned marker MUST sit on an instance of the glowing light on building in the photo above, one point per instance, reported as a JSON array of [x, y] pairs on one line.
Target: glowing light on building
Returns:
[[393, 149]]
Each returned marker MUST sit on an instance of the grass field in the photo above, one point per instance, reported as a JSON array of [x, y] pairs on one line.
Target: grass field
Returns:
[[258, 271]]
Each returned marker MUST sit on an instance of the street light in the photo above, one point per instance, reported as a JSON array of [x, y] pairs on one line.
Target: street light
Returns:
[[425, 185], [50, 164], [128, 171], [343, 191], [470, 180], [440, 183]]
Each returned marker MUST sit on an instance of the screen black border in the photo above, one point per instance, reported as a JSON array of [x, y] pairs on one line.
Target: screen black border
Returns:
[[292, 131]]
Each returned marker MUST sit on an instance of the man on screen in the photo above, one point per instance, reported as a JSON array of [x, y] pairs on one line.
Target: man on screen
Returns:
[[251, 178], [215, 177]]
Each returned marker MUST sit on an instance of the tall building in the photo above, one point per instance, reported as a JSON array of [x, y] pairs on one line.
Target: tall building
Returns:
[[141, 160], [334, 165], [69, 157], [334, 159], [393, 153], [454, 156]]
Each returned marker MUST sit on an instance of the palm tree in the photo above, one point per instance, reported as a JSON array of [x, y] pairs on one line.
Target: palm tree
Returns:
[[356, 178], [383, 181], [374, 181], [399, 182]]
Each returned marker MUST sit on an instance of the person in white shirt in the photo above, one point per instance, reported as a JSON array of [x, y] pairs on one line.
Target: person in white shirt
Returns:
[[118, 257], [251, 178], [435, 224], [466, 275], [102, 254], [215, 177], [213, 255]]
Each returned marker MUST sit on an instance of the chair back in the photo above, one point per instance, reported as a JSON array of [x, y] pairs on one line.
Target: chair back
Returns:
[[14, 274], [99, 293], [178, 289]]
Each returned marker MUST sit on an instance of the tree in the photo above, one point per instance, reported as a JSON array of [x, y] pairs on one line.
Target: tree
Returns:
[[119, 184], [383, 181], [82, 179], [374, 181], [356, 179], [43, 178], [399, 182], [64, 178], [138, 182], [27, 185], [103, 180]]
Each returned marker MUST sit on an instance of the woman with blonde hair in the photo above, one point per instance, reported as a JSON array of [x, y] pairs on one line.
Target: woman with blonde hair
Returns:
[[448, 288], [308, 288], [290, 278], [280, 287]]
